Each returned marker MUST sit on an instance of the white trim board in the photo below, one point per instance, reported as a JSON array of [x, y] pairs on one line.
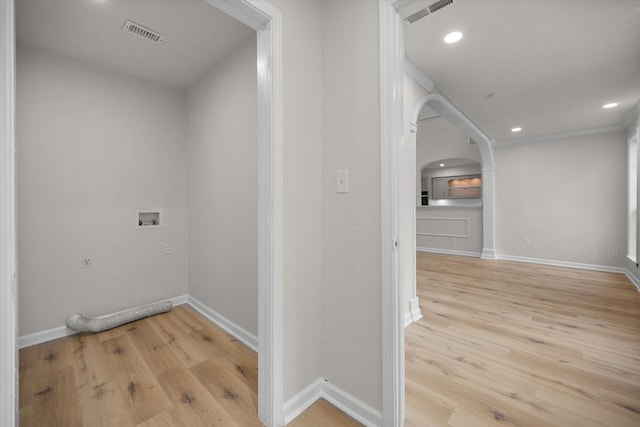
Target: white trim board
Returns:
[[391, 65], [568, 264], [414, 72], [414, 314], [8, 250], [62, 331], [244, 336], [555, 263], [632, 279], [465, 220], [448, 251], [267, 21], [238, 332], [558, 136], [543, 261], [323, 389]]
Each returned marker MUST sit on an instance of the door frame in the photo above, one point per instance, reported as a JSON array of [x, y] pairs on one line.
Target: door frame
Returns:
[[267, 21], [391, 56], [8, 245]]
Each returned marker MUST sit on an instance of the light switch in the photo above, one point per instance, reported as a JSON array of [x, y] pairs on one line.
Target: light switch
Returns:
[[342, 181]]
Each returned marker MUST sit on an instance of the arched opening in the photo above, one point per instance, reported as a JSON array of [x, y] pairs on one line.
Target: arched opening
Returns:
[[446, 116], [455, 117]]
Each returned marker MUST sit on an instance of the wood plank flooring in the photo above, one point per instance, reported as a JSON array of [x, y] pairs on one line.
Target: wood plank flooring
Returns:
[[171, 370], [501, 343], [512, 344]]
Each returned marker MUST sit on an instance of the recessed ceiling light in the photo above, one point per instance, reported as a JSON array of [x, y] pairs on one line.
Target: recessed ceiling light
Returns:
[[441, 164], [610, 105], [453, 37], [516, 129]]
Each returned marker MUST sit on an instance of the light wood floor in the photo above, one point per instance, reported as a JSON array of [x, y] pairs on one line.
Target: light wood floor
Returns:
[[171, 370], [514, 344]]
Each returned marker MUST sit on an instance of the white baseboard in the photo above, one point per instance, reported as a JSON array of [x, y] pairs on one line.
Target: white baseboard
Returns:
[[348, 404], [355, 408], [238, 332], [414, 309], [414, 314], [448, 251], [569, 264], [302, 400], [556, 263], [244, 336], [488, 254], [407, 319], [633, 279], [62, 331], [44, 336]]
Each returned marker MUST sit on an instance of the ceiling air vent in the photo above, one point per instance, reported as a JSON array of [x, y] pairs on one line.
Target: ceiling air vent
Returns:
[[417, 16], [439, 5], [426, 11], [139, 30]]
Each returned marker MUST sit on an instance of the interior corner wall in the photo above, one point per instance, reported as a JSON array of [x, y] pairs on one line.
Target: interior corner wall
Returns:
[[222, 188], [93, 145], [351, 222], [567, 196], [302, 209]]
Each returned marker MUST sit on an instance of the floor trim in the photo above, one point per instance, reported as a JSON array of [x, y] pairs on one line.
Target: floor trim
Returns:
[[62, 331], [569, 264], [246, 337], [322, 388], [448, 251], [632, 279], [552, 262]]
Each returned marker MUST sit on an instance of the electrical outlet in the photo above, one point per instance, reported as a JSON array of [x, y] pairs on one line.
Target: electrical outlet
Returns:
[[526, 241], [86, 262], [168, 249], [614, 252]]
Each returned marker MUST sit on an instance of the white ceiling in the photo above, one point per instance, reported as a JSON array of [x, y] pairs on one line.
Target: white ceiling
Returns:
[[197, 35], [547, 66]]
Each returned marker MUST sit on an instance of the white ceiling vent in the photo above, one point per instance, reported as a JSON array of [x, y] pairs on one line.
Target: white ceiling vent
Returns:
[[426, 11], [144, 32]]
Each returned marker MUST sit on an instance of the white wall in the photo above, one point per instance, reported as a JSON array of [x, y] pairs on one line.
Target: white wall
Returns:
[[445, 228], [567, 196], [302, 68], [438, 139], [93, 145], [351, 253], [223, 234]]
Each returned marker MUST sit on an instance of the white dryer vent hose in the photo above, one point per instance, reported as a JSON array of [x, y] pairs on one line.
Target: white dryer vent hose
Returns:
[[79, 323]]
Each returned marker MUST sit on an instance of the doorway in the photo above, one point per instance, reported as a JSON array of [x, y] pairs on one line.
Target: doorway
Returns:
[[266, 21]]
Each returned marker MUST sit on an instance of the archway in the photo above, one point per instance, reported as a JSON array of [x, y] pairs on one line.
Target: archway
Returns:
[[442, 106]]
